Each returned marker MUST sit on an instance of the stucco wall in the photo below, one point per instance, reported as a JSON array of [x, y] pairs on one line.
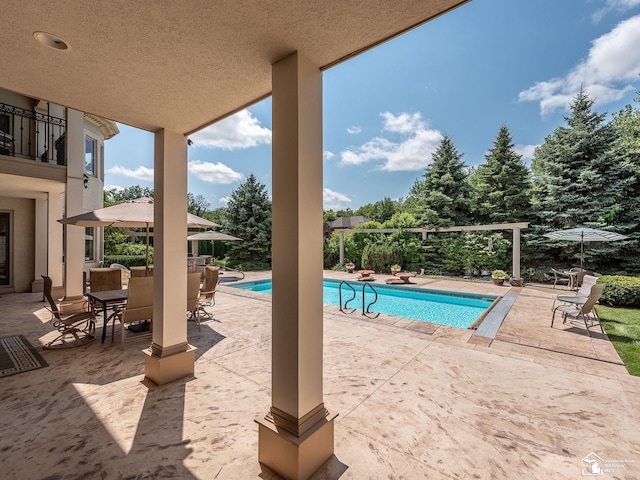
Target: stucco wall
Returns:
[[22, 241]]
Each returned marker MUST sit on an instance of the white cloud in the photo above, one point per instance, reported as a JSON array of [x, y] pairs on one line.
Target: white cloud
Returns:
[[334, 200], [403, 123], [117, 188], [141, 173], [607, 74], [217, 173], [412, 152], [353, 130], [239, 131], [225, 200], [526, 151], [327, 155], [618, 5]]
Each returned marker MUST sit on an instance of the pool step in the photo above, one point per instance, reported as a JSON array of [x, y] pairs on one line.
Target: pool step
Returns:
[[489, 327]]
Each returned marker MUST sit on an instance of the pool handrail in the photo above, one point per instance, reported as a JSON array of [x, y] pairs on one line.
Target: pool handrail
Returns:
[[365, 311], [353, 290]]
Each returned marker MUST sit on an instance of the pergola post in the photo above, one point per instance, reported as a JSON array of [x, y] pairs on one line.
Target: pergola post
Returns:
[[516, 253], [296, 437]]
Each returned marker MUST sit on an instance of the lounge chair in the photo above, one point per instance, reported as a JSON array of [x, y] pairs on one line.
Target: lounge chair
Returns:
[[208, 292], [139, 307], [585, 312], [581, 295], [193, 291], [75, 329]]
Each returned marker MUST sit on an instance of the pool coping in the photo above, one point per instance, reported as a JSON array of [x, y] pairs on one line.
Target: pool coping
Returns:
[[492, 321]]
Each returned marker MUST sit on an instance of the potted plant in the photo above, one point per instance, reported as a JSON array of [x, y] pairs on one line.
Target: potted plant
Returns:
[[350, 266], [395, 268], [499, 276]]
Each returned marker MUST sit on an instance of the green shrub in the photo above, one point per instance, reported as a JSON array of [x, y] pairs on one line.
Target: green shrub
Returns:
[[127, 260], [132, 249], [379, 257], [249, 265], [620, 291]]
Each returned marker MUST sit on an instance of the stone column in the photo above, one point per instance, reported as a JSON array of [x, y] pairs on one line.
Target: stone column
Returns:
[[74, 240], [296, 436], [170, 356], [342, 248], [41, 234]]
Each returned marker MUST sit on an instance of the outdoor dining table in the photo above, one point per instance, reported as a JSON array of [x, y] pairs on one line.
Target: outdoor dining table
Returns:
[[108, 298]]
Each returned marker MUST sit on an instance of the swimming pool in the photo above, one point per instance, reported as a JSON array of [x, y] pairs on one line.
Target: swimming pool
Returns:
[[455, 309]]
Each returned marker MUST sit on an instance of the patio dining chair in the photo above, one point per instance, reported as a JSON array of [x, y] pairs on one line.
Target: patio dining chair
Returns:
[[125, 273], [139, 308], [75, 329], [560, 277], [585, 312], [208, 291], [193, 292]]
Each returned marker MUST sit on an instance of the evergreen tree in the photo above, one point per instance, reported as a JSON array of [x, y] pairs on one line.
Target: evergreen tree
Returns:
[[568, 169], [501, 184], [625, 215], [249, 218], [442, 197], [578, 178]]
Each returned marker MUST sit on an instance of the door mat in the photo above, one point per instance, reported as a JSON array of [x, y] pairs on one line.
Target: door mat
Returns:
[[17, 355]]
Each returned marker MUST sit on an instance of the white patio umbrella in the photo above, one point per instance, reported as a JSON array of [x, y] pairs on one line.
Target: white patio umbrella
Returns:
[[582, 235], [136, 213]]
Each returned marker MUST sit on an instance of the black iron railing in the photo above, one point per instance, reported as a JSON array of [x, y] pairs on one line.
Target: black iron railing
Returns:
[[32, 135]]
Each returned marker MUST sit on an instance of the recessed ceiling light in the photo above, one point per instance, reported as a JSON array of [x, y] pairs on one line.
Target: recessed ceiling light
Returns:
[[50, 40]]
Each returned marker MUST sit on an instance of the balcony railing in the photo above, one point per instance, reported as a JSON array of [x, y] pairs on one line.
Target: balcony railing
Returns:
[[32, 135]]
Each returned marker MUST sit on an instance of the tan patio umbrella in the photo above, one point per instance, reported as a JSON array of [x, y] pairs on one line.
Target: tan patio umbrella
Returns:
[[211, 235], [136, 213]]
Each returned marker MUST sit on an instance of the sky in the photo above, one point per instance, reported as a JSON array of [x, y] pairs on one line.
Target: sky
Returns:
[[486, 64]]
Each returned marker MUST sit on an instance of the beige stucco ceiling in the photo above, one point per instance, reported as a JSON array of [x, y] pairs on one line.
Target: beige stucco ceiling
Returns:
[[184, 64]]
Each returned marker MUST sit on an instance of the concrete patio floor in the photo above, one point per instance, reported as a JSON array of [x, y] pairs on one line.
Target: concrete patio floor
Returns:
[[413, 403]]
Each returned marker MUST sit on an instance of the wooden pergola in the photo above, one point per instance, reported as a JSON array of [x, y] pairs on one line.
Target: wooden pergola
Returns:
[[515, 227]]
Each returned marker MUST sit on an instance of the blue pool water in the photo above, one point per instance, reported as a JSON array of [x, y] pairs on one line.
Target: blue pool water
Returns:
[[435, 306]]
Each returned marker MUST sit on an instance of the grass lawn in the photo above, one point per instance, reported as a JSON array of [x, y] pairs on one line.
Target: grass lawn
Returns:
[[623, 328]]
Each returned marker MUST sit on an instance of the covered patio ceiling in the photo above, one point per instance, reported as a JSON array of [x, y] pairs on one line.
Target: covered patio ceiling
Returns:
[[184, 65]]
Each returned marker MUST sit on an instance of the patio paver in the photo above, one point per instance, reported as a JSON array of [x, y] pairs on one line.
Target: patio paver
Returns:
[[411, 404]]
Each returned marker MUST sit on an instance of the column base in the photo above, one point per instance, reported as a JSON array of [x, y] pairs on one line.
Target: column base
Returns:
[[162, 370], [295, 457]]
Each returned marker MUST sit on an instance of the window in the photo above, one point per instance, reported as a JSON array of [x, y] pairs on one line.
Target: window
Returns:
[[4, 249], [6, 140], [88, 244], [90, 156]]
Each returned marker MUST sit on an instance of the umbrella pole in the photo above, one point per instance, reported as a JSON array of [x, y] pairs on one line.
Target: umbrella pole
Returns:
[[582, 251], [146, 269]]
